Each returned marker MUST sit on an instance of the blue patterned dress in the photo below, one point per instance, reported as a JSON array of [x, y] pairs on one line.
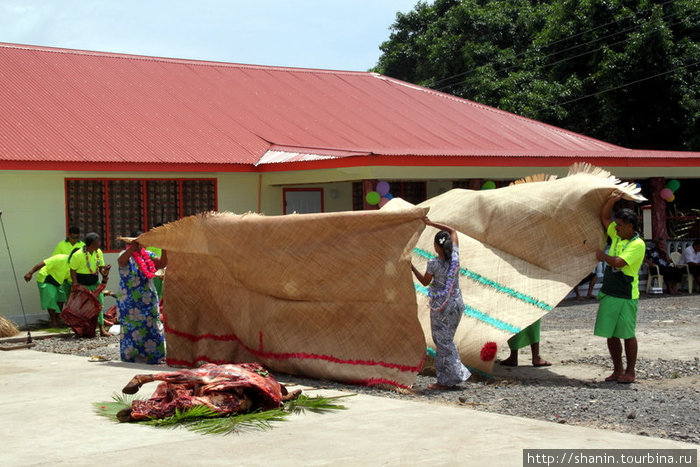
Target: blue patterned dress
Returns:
[[141, 337], [446, 308]]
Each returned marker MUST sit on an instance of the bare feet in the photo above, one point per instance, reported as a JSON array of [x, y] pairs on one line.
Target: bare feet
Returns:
[[613, 377], [627, 378]]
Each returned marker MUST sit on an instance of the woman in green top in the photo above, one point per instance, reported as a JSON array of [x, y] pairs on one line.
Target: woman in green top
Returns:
[[65, 247], [85, 264]]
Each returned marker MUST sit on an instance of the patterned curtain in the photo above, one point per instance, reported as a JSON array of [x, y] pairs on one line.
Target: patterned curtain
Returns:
[[125, 209], [86, 206]]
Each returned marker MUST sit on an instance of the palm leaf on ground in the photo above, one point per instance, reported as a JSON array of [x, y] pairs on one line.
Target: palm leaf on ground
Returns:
[[203, 419]]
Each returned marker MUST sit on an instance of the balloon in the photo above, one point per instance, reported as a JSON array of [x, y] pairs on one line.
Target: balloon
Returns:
[[665, 193], [383, 188], [488, 185], [373, 198], [388, 196], [673, 185], [670, 200], [383, 201]]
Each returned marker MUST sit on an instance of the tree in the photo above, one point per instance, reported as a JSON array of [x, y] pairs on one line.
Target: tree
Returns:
[[624, 71]]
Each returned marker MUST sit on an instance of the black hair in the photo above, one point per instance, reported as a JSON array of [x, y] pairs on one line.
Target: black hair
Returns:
[[74, 230], [136, 233], [444, 240], [696, 242], [628, 216], [91, 238]]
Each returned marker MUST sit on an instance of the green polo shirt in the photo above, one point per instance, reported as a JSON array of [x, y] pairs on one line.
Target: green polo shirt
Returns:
[[57, 266], [632, 251], [65, 247], [86, 263]]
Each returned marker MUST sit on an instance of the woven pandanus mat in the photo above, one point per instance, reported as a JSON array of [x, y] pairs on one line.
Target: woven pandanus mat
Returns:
[[522, 249], [328, 295]]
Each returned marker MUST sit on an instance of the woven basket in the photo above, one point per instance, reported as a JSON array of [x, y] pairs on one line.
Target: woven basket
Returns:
[[81, 309]]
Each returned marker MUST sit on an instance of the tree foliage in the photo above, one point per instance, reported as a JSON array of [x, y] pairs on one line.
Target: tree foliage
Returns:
[[625, 71]]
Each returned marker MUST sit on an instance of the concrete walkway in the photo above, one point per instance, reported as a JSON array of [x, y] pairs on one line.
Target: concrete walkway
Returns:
[[47, 419]]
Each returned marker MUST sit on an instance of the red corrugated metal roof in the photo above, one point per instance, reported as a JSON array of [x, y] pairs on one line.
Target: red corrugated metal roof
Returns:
[[71, 107]]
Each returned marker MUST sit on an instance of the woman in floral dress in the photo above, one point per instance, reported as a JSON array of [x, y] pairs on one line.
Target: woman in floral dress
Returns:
[[446, 306], [141, 337]]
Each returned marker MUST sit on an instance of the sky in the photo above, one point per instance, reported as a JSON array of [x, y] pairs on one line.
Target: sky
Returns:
[[327, 34]]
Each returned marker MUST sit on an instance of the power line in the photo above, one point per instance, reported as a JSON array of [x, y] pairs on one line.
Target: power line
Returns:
[[620, 86], [572, 57], [632, 15], [607, 24]]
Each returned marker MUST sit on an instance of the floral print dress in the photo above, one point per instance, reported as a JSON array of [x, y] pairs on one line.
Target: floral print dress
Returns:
[[141, 337], [446, 308]]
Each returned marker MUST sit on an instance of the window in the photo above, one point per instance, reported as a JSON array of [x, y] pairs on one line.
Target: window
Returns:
[[413, 192], [117, 207], [357, 196]]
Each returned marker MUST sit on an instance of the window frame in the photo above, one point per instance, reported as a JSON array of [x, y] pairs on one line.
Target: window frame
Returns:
[[106, 241]]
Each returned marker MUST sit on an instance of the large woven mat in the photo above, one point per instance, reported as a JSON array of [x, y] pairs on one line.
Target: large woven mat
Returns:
[[324, 295], [522, 249]]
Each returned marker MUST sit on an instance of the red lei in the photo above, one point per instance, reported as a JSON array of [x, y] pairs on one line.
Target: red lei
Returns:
[[145, 263]]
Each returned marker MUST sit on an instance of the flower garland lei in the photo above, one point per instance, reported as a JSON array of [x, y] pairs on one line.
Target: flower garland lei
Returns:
[[444, 294], [87, 261], [145, 263]]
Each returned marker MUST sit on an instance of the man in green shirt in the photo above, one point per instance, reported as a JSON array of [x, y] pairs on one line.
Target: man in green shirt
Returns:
[[617, 312], [53, 272], [72, 241]]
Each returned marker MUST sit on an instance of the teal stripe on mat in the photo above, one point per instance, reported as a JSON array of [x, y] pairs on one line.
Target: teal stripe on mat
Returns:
[[490, 283], [474, 313]]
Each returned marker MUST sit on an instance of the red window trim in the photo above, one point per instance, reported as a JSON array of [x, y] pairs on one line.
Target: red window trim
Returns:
[[105, 190]]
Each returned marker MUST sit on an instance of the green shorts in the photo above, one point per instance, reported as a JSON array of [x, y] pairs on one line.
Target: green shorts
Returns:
[[49, 296], [527, 336], [617, 317]]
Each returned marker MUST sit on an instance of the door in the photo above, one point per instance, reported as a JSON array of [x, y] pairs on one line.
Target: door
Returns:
[[303, 200]]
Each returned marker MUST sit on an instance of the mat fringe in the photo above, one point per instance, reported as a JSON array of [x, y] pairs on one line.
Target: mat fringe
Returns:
[[629, 190], [535, 178]]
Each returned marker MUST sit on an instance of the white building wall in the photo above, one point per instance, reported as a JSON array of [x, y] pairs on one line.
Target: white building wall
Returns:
[[33, 209]]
